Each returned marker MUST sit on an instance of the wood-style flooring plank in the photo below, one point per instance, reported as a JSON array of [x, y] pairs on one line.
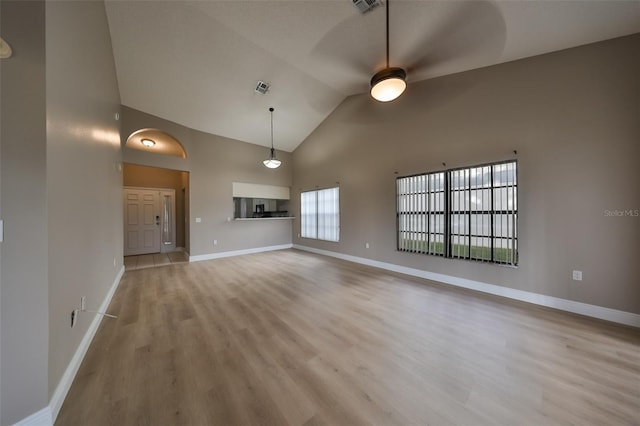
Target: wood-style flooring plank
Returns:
[[292, 338]]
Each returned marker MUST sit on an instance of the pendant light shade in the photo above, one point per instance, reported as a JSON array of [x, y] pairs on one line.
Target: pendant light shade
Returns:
[[388, 84], [272, 162], [5, 49]]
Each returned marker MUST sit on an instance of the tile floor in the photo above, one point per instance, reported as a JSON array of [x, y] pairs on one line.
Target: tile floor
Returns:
[[152, 260]]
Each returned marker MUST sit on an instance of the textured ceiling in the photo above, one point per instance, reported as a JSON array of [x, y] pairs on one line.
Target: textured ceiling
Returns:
[[197, 62]]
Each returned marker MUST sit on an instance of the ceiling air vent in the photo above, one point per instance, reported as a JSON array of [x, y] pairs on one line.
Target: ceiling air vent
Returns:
[[262, 87], [366, 5]]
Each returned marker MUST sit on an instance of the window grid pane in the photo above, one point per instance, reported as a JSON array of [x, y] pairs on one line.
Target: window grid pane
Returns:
[[420, 208], [308, 215], [328, 214], [468, 213]]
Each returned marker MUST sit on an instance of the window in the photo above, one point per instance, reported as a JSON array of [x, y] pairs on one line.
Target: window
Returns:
[[468, 213], [421, 213], [320, 214]]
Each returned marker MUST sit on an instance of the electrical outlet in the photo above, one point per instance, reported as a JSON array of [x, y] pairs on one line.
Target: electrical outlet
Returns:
[[82, 304], [74, 317], [366, 245], [215, 242], [577, 275]]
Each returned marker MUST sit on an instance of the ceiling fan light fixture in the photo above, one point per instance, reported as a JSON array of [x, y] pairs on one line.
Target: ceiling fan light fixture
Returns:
[[5, 49], [272, 162], [388, 84]]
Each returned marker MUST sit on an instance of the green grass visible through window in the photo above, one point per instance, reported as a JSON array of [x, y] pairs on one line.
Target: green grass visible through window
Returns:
[[500, 255]]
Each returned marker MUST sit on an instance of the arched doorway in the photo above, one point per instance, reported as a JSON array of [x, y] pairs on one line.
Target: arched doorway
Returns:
[[156, 203]]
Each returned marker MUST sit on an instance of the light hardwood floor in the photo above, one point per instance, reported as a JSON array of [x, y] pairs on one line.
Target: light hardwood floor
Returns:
[[153, 260], [294, 338]]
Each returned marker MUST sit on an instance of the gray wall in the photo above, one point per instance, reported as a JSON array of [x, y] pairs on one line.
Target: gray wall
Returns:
[[573, 116], [214, 162], [84, 182], [23, 268], [61, 191]]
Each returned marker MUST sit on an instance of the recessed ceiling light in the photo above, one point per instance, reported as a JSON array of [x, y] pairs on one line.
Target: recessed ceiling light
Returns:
[[147, 142]]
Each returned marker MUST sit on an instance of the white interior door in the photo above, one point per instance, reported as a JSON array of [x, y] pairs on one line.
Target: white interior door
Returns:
[[141, 221]]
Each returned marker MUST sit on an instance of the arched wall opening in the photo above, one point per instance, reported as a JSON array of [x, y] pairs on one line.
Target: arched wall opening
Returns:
[[156, 141], [146, 175]]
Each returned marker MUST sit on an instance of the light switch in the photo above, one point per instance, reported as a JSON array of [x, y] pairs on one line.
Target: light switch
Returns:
[[198, 219]]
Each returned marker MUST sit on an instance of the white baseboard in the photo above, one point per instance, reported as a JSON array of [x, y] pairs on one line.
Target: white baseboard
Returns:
[[67, 378], [220, 255], [586, 309], [40, 418]]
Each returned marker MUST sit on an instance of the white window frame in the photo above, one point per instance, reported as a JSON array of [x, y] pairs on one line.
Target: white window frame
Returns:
[[320, 214]]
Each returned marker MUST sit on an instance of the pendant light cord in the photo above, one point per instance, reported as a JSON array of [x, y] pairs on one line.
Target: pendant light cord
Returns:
[[387, 8], [271, 110], [272, 162]]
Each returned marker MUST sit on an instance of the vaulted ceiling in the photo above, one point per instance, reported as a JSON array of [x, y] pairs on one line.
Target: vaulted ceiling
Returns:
[[197, 62]]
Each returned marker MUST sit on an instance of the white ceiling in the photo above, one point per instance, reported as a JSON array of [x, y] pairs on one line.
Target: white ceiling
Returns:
[[197, 62]]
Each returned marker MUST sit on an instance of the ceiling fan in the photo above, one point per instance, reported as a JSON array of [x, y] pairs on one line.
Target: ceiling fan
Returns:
[[423, 39]]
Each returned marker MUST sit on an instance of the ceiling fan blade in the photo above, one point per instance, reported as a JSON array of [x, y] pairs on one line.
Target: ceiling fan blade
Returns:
[[427, 38], [352, 49], [474, 33]]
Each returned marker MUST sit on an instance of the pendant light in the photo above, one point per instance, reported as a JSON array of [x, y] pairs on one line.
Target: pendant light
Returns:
[[388, 84], [272, 162]]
